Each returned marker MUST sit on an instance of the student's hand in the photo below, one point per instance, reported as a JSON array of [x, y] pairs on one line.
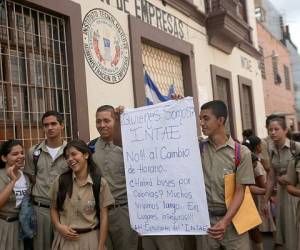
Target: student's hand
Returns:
[[265, 208], [176, 97], [118, 111], [117, 138], [218, 230], [67, 232], [282, 180], [11, 173]]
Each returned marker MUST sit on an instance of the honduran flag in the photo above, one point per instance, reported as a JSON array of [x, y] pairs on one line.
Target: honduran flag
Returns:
[[153, 94]]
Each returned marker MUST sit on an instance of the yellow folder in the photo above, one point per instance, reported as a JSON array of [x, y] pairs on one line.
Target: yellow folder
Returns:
[[247, 216]]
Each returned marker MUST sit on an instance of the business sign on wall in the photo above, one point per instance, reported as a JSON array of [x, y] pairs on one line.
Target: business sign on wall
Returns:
[[106, 47]]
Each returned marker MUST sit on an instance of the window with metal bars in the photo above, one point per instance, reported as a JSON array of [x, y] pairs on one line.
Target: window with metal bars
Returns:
[[262, 65], [277, 78], [33, 71], [164, 68], [287, 77]]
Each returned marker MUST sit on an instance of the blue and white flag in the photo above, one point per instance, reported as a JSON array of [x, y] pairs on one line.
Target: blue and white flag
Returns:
[[153, 94]]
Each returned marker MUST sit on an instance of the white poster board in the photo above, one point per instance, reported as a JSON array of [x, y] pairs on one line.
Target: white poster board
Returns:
[[165, 185]]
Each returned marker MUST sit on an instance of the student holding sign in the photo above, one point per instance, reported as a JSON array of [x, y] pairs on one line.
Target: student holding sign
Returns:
[[109, 158], [160, 242], [218, 159]]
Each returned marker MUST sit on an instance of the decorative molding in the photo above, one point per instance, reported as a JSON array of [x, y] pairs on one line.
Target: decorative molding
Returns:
[[250, 50], [225, 31]]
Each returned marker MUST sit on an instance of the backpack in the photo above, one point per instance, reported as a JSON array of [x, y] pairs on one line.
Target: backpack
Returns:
[[35, 157], [63, 189], [92, 145], [294, 153]]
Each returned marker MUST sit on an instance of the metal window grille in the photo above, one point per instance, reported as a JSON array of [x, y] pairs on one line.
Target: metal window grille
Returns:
[[287, 77], [276, 75], [164, 68], [262, 63], [33, 72]]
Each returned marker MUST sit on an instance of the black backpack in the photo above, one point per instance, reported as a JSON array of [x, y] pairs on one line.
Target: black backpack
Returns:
[[35, 157], [92, 145]]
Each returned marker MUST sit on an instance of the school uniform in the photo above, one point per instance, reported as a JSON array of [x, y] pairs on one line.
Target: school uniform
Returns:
[[47, 171], [217, 163], [166, 242], [267, 224], [109, 158], [286, 204], [9, 212], [79, 213], [265, 150], [293, 178]]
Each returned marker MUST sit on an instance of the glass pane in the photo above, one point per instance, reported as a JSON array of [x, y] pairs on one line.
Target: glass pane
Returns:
[[62, 54], [3, 33], [36, 73], [61, 30], [60, 101], [58, 76], [51, 73], [3, 14], [67, 105]]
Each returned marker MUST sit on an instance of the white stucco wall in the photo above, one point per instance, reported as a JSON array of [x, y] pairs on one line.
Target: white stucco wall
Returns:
[[100, 92]]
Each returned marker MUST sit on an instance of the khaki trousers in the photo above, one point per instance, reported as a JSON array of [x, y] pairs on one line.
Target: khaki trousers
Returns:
[[231, 241], [120, 234], [43, 239], [166, 242]]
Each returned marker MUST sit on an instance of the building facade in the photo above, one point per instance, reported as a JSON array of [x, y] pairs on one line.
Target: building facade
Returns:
[[277, 77], [295, 60], [73, 56], [280, 63]]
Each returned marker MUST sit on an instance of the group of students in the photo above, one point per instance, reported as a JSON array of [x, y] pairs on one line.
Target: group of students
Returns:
[[276, 166], [79, 196]]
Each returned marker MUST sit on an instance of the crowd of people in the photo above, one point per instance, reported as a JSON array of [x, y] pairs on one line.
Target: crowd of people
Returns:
[[77, 199]]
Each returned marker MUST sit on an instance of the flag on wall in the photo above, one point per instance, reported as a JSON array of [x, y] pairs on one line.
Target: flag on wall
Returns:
[[153, 94]]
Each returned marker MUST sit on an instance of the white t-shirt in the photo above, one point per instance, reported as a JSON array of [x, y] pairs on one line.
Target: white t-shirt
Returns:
[[53, 151], [20, 189]]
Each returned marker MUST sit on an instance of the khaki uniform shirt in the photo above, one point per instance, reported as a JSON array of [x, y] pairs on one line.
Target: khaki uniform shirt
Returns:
[[47, 170], [266, 144], [281, 159], [79, 210], [9, 208], [219, 162], [109, 158]]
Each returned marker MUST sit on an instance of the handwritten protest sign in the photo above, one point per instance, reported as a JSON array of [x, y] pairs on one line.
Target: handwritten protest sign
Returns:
[[165, 184]]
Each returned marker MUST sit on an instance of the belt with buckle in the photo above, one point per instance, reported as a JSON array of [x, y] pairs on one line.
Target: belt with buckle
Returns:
[[217, 213], [40, 204], [113, 206], [9, 219], [85, 230]]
